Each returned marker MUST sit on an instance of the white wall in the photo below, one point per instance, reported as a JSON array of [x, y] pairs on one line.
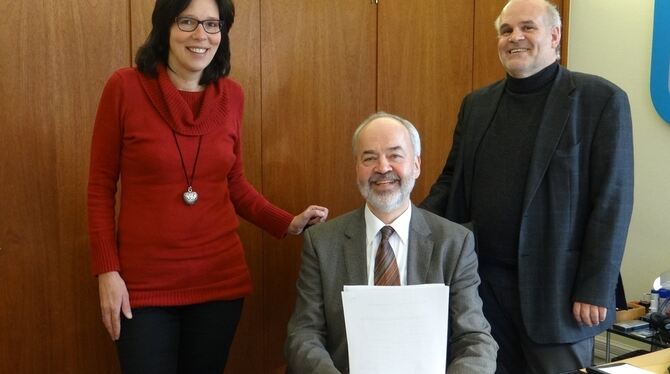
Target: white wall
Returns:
[[612, 38]]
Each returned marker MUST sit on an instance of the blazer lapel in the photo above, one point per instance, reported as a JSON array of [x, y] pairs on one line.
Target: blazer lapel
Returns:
[[557, 111], [354, 249], [420, 248]]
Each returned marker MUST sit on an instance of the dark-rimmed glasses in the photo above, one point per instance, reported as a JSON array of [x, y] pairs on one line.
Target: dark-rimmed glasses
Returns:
[[188, 24]]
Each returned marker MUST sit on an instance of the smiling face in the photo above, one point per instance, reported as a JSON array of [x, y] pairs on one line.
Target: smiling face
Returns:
[[386, 167], [526, 40], [191, 52]]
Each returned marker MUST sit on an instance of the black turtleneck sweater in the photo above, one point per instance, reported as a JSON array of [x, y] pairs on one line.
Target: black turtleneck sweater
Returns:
[[501, 166]]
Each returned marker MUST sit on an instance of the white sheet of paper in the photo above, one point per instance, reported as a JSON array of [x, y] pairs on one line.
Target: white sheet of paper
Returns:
[[394, 329], [624, 369]]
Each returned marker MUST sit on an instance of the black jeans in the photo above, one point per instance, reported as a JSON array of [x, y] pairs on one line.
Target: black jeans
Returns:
[[182, 339]]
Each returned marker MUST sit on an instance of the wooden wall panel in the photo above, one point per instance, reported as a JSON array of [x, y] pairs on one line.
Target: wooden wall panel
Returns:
[[56, 56], [140, 26], [424, 71], [246, 69], [487, 68], [564, 8], [318, 71], [318, 67]]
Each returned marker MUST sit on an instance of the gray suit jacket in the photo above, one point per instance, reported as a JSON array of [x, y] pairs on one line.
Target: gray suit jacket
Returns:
[[334, 255], [577, 201]]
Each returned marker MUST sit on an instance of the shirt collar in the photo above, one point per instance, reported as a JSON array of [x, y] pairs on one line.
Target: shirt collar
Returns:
[[400, 225]]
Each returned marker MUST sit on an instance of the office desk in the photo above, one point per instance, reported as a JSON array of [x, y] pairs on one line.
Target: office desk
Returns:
[[654, 342], [656, 362]]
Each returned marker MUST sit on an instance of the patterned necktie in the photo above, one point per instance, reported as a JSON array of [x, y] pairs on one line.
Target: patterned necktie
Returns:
[[386, 268]]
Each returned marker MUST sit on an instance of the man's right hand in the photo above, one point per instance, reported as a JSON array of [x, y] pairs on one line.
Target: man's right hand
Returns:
[[113, 301]]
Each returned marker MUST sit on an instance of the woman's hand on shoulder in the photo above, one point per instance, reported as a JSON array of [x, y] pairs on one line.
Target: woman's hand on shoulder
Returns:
[[311, 216], [114, 300]]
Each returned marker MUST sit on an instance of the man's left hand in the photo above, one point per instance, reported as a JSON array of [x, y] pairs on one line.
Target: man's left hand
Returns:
[[587, 314]]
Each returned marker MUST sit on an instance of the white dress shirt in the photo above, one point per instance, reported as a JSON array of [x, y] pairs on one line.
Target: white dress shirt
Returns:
[[398, 241]]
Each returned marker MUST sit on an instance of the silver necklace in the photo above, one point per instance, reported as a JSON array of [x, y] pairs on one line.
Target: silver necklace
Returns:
[[190, 197]]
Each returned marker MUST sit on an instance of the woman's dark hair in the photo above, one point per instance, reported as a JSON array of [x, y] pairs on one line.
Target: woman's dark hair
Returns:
[[156, 48]]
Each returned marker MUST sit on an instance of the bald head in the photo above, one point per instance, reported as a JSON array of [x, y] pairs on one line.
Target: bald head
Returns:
[[528, 37], [550, 10]]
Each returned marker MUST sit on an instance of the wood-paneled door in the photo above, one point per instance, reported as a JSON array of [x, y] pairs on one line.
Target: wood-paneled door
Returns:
[[311, 71], [319, 81], [424, 70], [55, 56]]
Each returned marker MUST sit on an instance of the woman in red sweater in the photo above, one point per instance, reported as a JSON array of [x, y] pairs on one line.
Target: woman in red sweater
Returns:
[[170, 130]]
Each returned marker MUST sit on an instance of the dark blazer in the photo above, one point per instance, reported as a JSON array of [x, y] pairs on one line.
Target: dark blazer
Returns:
[[577, 201], [334, 255]]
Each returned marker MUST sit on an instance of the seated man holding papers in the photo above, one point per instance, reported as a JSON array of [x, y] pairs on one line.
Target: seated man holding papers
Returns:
[[389, 241]]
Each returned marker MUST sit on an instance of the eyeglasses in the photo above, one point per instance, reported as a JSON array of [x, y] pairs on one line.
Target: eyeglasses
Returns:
[[188, 24]]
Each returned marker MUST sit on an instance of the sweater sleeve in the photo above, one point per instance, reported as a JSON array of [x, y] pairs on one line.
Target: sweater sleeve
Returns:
[[103, 177], [249, 203]]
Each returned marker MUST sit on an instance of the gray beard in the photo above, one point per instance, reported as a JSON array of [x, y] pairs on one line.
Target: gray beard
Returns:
[[387, 202]]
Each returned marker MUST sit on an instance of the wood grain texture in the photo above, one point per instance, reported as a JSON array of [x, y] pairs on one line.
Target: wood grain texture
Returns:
[[565, 37], [246, 353], [56, 56], [140, 23], [318, 68], [424, 70], [487, 67]]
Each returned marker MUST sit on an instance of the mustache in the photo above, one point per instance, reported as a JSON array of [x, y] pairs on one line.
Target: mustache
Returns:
[[386, 177]]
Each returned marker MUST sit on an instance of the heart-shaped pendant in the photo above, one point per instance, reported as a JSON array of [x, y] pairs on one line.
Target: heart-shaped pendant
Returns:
[[190, 196]]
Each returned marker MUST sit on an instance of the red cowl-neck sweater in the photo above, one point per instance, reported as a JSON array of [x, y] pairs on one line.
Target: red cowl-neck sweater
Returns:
[[167, 252]]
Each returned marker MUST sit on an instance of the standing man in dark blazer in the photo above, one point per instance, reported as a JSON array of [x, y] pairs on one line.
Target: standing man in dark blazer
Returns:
[[541, 168], [426, 249]]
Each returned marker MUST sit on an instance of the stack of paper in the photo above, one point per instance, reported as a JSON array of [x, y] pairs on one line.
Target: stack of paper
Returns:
[[618, 368], [392, 329]]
